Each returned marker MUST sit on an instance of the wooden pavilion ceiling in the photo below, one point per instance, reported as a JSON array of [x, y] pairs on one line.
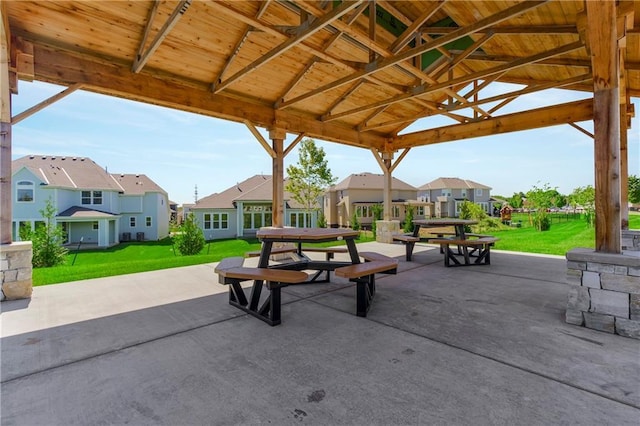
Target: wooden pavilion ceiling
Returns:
[[324, 68]]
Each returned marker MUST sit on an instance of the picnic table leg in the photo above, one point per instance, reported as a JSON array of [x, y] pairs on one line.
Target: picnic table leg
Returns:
[[409, 245], [365, 290]]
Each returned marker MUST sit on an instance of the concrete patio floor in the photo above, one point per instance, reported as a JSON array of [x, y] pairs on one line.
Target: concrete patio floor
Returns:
[[476, 345]]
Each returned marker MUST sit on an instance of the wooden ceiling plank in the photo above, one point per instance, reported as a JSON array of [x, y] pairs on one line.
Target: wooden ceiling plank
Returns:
[[41, 105], [537, 118], [410, 53], [306, 30], [412, 29], [141, 60], [424, 89]]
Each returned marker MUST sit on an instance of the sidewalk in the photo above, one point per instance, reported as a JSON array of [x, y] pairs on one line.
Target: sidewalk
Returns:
[[473, 345]]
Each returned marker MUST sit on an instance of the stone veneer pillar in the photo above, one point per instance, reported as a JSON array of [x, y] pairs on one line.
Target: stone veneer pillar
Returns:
[[16, 270], [605, 291], [386, 229]]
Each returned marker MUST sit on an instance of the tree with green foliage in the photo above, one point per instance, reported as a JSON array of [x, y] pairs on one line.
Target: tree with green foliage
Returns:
[[376, 210], [322, 221], [355, 220], [46, 239], [517, 200], [190, 239], [540, 200], [407, 226], [310, 178], [585, 197], [634, 189]]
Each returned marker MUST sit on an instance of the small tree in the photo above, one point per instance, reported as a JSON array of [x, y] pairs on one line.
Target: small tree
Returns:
[[585, 196], [634, 189], [47, 239], [309, 179], [408, 220], [355, 221], [376, 209], [541, 199], [322, 221], [190, 239]]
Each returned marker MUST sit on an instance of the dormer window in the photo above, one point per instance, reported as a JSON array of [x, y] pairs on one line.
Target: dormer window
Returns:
[[24, 191]]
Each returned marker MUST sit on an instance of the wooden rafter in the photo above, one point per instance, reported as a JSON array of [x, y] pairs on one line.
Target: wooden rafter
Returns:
[[412, 29], [305, 31], [533, 119], [418, 50], [143, 57], [234, 52], [424, 89], [496, 98]]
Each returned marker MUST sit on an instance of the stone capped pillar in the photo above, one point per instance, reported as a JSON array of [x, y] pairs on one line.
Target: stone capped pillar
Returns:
[[16, 270], [605, 291], [386, 229]]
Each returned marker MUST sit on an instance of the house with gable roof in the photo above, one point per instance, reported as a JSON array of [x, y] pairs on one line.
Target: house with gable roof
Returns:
[[359, 192], [241, 210], [92, 205], [447, 194]]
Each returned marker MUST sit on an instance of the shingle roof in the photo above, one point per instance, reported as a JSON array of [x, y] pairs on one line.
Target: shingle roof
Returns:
[[84, 213], [255, 188], [67, 172], [136, 184], [453, 183], [83, 173], [367, 180]]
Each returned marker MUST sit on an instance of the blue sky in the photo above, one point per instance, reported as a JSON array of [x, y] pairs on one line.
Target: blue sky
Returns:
[[180, 150]]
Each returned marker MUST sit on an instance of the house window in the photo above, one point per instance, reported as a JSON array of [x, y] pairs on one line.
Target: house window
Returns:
[[395, 211], [207, 221], [364, 211], [24, 191], [221, 221], [148, 221], [446, 192], [420, 211], [257, 216], [463, 193], [95, 226], [479, 192], [132, 222], [299, 219], [91, 197]]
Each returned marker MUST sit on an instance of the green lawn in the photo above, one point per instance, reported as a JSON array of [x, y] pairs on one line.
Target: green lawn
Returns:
[[127, 258], [565, 233]]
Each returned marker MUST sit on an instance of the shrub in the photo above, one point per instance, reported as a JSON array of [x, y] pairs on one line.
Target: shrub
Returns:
[[376, 209], [355, 221], [190, 240], [47, 239], [408, 220], [322, 221]]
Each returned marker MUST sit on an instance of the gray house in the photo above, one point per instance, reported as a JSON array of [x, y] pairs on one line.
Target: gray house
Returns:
[[447, 194], [241, 210], [92, 206]]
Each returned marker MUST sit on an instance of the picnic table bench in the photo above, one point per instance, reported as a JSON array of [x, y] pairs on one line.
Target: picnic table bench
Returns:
[[364, 275], [409, 242], [480, 249], [232, 272]]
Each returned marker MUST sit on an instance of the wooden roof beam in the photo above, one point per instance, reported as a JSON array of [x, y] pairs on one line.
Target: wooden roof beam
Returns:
[[412, 29], [424, 89], [529, 29], [142, 58], [533, 119], [305, 31], [496, 98], [384, 63]]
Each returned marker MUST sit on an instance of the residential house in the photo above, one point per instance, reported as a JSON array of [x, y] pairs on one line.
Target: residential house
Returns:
[[360, 192], [92, 205], [447, 194], [244, 208]]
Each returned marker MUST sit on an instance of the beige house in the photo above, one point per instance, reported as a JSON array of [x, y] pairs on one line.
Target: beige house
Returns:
[[360, 192], [239, 211]]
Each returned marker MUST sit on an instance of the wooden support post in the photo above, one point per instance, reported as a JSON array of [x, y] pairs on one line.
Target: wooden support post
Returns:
[[603, 46], [277, 137], [5, 132], [388, 179]]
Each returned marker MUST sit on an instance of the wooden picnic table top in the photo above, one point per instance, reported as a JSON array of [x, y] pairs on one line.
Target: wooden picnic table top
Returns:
[[306, 234], [444, 222]]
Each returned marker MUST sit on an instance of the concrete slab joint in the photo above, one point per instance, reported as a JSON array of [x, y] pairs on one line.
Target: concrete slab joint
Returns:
[[605, 291], [16, 270]]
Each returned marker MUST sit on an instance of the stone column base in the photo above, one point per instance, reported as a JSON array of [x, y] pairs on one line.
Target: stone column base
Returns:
[[605, 291], [386, 229], [16, 270]]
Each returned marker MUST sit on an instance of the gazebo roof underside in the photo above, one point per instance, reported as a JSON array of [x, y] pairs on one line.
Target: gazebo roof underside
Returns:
[[322, 68]]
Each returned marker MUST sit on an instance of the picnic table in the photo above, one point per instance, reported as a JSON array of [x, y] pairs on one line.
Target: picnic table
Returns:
[[231, 271], [468, 245]]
